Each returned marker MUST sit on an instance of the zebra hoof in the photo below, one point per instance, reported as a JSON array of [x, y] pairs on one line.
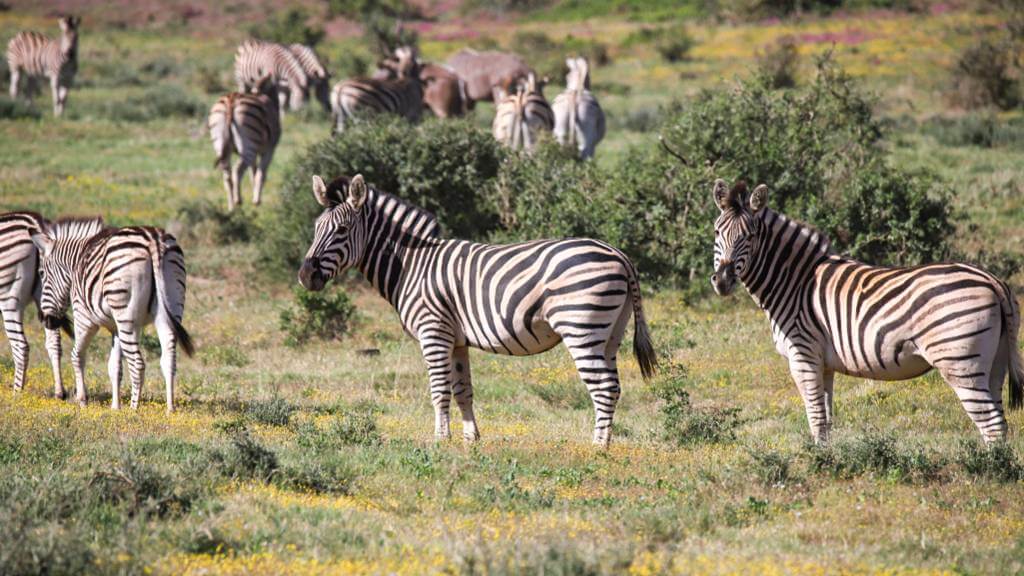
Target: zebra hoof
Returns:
[[60, 395]]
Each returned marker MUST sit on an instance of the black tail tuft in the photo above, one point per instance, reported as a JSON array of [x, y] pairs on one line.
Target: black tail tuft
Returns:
[[643, 349], [1016, 390], [68, 327], [183, 338]]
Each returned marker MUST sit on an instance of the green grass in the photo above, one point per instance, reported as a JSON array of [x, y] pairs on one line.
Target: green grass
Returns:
[[321, 458]]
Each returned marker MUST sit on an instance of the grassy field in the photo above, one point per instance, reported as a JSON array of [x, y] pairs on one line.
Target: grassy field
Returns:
[[321, 458]]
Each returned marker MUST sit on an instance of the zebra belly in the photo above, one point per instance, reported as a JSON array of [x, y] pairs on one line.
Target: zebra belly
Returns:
[[540, 338], [904, 363]]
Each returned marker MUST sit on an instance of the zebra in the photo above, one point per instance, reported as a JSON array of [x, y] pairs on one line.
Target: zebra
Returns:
[[120, 279], [36, 55], [402, 96], [19, 285], [579, 120], [520, 117], [318, 79], [515, 299], [249, 125], [255, 59], [830, 313]]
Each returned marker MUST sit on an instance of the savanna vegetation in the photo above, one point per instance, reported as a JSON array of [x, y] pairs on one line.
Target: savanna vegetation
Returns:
[[303, 442]]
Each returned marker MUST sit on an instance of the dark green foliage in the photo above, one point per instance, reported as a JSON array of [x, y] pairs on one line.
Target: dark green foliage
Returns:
[[674, 44], [324, 315], [510, 495], [547, 55], [683, 423], [778, 64], [984, 76], [878, 454], [275, 412], [996, 462], [353, 428], [316, 474], [289, 27], [771, 467], [359, 9], [446, 167], [16, 109], [246, 458], [140, 489]]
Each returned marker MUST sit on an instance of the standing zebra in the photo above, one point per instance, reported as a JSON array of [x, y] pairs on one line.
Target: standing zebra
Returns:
[[249, 125], [516, 299], [579, 120], [19, 285], [317, 78], [831, 314], [255, 59], [520, 117], [402, 96], [36, 55], [120, 279]]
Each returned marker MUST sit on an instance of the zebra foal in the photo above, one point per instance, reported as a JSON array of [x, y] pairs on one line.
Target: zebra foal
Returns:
[[402, 96], [120, 279], [19, 285], [515, 299], [34, 55], [579, 119], [830, 313], [249, 125], [520, 117]]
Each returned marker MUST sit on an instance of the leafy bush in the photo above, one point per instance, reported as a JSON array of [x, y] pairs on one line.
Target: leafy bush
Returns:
[[16, 109], [321, 315], [316, 474], [684, 423], [247, 458], [771, 467], [446, 167], [385, 34], [674, 44], [984, 76], [275, 412], [288, 27], [354, 428], [779, 63], [877, 454], [996, 462], [141, 489]]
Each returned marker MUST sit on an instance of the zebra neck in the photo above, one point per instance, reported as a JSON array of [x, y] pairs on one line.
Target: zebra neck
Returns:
[[787, 254], [396, 234]]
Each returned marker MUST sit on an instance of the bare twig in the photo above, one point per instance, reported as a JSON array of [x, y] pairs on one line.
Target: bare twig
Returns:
[[672, 152]]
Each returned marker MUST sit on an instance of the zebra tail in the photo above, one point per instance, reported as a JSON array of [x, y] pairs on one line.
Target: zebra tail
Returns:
[[573, 115], [643, 349], [1011, 314], [223, 160], [180, 334]]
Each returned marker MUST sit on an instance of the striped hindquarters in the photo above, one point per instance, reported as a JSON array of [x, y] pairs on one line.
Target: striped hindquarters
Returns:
[[243, 123], [520, 117], [579, 120], [359, 96], [255, 59], [35, 54], [309, 61]]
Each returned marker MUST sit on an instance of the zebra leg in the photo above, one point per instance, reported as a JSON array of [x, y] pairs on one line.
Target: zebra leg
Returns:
[[437, 345], [114, 371], [62, 97], [600, 374], [229, 186], [828, 380], [810, 380], [237, 173], [259, 175], [462, 387], [15, 329], [58, 104], [53, 351], [985, 409], [15, 76], [129, 334], [83, 335], [168, 355]]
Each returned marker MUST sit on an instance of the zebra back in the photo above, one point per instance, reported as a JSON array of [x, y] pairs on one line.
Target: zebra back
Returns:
[[240, 122], [520, 117], [402, 96], [579, 119], [254, 59], [40, 55]]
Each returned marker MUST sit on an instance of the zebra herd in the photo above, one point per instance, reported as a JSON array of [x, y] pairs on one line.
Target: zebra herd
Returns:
[[828, 313]]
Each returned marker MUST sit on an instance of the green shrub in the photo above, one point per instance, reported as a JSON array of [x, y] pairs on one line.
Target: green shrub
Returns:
[[683, 423], [289, 27], [316, 474], [385, 33], [771, 467], [446, 167], [996, 462], [16, 109], [354, 428], [878, 454], [323, 315], [779, 63], [140, 489], [155, 103], [275, 412], [983, 76], [674, 44], [246, 458], [984, 130]]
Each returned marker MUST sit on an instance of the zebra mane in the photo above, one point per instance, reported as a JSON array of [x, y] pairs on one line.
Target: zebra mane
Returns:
[[385, 204], [769, 217], [75, 228]]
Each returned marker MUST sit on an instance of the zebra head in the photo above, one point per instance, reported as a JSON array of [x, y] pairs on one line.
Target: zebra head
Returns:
[[736, 232], [338, 240], [69, 33], [60, 246], [578, 77]]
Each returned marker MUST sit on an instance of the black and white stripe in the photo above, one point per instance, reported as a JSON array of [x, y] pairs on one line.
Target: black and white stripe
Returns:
[[34, 55], [521, 117], [249, 125], [120, 279], [20, 285], [831, 314], [317, 78], [255, 59], [579, 119], [402, 96], [516, 299]]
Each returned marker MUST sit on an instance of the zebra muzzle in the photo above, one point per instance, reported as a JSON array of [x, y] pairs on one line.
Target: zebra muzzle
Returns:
[[310, 277], [723, 280]]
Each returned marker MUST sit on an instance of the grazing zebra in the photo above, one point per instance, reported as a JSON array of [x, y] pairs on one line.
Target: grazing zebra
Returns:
[[255, 59], [579, 120], [516, 299], [402, 96], [317, 77], [520, 117], [443, 91], [36, 55], [120, 279], [249, 125], [19, 285], [831, 314]]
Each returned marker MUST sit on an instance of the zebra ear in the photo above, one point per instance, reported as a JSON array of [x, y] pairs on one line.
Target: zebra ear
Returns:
[[759, 198], [320, 192], [43, 243], [357, 191], [721, 192]]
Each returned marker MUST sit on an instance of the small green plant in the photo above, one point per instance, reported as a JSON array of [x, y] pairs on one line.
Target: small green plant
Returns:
[[140, 489], [16, 109], [275, 412], [674, 44], [984, 76], [246, 458], [779, 63], [683, 424], [771, 467], [878, 454], [996, 462], [208, 221], [356, 428], [320, 315], [316, 474]]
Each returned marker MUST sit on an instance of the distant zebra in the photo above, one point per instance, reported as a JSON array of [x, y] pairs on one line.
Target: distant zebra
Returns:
[[318, 80], [402, 96], [255, 59], [831, 314], [579, 120], [520, 117], [249, 125], [120, 279], [36, 55], [515, 299], [20, 285]]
